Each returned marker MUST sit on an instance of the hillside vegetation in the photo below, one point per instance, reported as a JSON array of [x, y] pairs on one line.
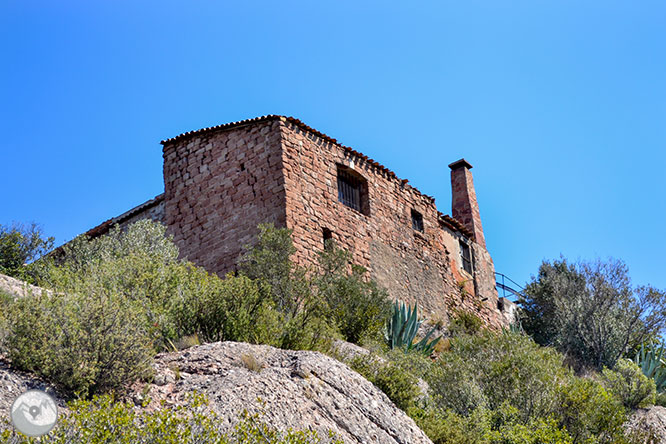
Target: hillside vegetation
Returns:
[[119, 299]]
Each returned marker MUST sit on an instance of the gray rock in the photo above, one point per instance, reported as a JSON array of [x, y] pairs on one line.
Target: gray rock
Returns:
[[14, 382], [17, 288], [649, 420], [297, 389]]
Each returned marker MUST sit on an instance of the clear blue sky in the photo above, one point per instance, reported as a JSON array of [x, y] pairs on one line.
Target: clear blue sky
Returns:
[[559, 105]]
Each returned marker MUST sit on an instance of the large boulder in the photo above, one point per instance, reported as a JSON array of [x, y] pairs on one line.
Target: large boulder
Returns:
[[17, 288], [297, 389], [651, 422]]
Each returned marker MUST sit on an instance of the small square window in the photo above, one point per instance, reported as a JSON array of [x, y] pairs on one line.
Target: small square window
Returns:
[[328, 238], [466, 256], [417, 221]]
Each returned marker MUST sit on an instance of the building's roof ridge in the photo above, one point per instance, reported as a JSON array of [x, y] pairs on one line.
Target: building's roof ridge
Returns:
[[304, 126], [455, 224], [104, 227], [448, 220], [222, 126]]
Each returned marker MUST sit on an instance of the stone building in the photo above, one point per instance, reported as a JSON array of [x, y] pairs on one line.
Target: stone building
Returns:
[[221, 182]]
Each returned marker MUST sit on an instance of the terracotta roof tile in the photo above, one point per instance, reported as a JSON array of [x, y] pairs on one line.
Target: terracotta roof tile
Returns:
[[222, 127]]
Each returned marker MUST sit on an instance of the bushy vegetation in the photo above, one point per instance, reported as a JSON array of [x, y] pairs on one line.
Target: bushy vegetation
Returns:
[[629, 383], [465, 323], [21, 245], [483, 426], [591, 312], [498, 368], [357, 304], [104, 421], [120, 298], [84, 343], [399, 385], [501, 388]]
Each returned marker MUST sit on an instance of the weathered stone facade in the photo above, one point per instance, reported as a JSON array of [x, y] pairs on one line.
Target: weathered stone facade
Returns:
[[221, 182]]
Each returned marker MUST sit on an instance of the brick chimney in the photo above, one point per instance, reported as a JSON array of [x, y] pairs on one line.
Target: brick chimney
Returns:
[[464, 205]]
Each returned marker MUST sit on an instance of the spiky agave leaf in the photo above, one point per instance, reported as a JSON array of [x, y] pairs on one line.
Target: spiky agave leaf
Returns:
[[425, 346], [650, 359], [403, 325]]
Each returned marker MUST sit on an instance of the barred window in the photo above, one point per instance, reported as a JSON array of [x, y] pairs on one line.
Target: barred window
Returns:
[[417, 221], [352, 189], [466, 256]]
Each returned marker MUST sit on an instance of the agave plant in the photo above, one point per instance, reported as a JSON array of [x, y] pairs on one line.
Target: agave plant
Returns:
[[402, 327], [650, 358]]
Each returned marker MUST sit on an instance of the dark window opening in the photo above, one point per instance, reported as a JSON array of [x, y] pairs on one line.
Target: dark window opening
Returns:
[[328, 238], [352, 189], [466, 255], [417, 221]]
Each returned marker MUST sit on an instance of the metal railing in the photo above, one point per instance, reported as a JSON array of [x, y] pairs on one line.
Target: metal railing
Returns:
[[508, 286]]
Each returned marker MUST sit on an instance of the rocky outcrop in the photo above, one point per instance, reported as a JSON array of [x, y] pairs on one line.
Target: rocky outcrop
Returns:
[[17, 288], [651, 422], [13, 383], [298, 389]]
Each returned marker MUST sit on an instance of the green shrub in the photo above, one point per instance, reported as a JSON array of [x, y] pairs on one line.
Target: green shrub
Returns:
[[660, 399], [357, 305], [83, 343], [268, 261], [483, 426], [143, 237], [400, 386], [303, 318], [538, 431], [231, 309], [21, 245], [590, 413], [465, 323], [138, 264], [628, 383], [416, 364], [590, 311], [504, 388], [497, 368], [102, 421], [454, 386], [448, 427]]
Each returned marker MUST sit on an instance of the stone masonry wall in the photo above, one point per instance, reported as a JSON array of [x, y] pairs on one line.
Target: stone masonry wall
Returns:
[[221, 182], [423, 267], [219, 186], [153, 212]]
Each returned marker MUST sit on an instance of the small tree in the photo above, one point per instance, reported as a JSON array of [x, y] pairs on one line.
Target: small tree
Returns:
[[590, 311], [269, 262], [358, 305], [21, 245]]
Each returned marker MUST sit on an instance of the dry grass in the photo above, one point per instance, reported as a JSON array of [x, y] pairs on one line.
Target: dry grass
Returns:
[[188, 341], [251, 363]]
